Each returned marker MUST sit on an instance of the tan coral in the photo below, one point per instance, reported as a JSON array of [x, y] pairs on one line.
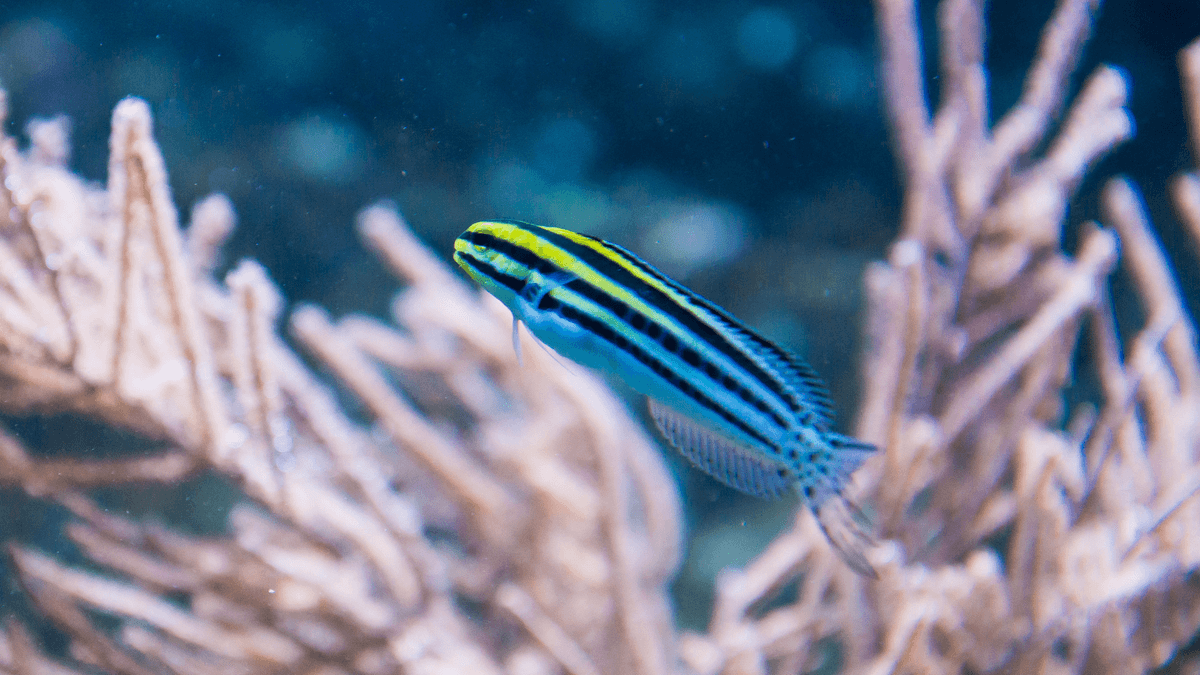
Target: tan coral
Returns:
[[569, 529], [560, 527], [972, 327]]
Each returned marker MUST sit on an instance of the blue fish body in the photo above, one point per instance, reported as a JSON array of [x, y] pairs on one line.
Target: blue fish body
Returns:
[[736, 405]]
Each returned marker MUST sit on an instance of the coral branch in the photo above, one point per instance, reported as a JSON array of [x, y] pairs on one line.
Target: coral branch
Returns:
[[476, 514]]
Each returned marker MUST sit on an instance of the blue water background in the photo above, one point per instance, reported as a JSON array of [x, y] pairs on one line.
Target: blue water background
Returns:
[[740, 146]]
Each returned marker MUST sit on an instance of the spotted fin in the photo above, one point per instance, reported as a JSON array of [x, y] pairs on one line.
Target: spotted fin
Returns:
[[721, 458], [794, 373], [839, 519], [801, 378], [849, 453]]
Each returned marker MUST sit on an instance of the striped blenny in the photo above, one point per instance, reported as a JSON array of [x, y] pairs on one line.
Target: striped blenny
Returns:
[[740, 408]]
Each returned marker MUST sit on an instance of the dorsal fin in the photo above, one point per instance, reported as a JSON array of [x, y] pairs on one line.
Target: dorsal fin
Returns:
[[795, 374], [721, 458]]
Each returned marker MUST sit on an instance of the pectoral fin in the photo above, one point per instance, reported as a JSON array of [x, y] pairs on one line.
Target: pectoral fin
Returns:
[[516, 338]]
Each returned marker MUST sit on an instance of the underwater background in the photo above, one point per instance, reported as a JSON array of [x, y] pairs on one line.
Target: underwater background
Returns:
[[739, 146]]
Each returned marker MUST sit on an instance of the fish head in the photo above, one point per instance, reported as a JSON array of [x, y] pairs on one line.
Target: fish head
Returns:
[[490, 252]]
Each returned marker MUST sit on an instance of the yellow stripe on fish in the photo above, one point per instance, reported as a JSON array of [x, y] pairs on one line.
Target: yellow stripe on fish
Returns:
[[740, 408]]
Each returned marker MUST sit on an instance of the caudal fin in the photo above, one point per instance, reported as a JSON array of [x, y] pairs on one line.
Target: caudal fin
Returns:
[[839, 519], [849, 452]]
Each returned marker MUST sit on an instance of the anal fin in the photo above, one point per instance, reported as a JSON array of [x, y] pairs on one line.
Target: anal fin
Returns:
[[721, 458]]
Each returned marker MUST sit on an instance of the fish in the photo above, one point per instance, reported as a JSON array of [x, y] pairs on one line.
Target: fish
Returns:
[[740, 408]]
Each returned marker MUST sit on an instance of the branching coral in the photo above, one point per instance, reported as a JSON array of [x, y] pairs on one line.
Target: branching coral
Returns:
[[1016, 543], [502, 518], [562, 523]]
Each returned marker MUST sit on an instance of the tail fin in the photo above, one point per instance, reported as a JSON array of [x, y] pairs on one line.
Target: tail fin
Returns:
[[838, 517], [849, 452], [839, 520]]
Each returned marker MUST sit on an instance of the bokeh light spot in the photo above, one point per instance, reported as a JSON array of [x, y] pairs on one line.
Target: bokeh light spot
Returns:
[[324, 148], [564, 149], [766, 38]]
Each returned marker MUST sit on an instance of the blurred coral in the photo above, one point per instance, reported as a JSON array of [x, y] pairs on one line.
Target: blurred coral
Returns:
[[560, 524], [1017, 542], [502, 518]]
